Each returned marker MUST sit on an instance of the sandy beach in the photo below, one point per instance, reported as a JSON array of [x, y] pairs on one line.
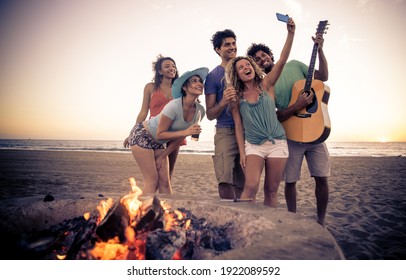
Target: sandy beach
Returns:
[[366, 212]]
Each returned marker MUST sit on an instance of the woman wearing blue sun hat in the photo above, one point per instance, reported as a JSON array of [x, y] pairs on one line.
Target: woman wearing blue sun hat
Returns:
[[176, 121]]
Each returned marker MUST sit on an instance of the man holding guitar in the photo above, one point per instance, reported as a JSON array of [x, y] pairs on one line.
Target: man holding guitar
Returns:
[[315, 152]]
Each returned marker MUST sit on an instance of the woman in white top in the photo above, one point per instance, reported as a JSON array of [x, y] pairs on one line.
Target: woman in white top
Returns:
[[177, 120]]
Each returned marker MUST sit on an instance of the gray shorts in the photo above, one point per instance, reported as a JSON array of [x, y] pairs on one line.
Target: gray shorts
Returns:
[[317, 158], [226, 158]]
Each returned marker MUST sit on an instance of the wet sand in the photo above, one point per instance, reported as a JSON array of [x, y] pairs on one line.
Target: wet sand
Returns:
[[366, 212]]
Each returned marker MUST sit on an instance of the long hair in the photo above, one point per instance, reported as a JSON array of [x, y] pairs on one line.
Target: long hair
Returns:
[[156, 66], [232, 76]]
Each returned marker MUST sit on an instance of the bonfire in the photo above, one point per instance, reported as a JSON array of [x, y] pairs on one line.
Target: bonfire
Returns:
[[135, 227]]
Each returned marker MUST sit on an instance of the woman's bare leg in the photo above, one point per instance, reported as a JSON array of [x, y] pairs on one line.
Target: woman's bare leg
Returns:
[[145, 159], [173, 156], [274, 168], [253, 170], [164, 180]]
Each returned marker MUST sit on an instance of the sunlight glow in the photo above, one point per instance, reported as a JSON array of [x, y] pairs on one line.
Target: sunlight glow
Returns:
[[77, 69]]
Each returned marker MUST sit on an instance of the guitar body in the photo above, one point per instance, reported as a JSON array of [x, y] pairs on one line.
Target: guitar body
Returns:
[[312, 124]]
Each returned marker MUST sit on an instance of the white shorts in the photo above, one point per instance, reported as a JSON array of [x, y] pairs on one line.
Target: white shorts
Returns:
[[268, 149]]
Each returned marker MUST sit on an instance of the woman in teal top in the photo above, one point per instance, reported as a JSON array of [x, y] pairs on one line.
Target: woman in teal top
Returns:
[[260, 121], [260, 136]]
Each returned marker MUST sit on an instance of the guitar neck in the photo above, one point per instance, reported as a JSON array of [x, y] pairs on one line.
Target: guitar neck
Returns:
[[310, 73]]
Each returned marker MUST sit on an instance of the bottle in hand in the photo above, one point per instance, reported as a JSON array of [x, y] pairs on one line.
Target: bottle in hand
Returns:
[[228, 84], [195, 137]]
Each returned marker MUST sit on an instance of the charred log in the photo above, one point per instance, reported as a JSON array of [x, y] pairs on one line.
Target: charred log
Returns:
[[162, 245], [84, 239], [114, 223], [207, 235], [45, 244], [153, 218]]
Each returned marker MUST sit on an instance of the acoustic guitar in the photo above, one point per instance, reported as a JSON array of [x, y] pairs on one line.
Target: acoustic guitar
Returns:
[[311, 124]]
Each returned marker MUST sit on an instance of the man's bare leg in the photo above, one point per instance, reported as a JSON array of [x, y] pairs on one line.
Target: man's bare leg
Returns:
[[226, 191], [322, 195], [290, 196]]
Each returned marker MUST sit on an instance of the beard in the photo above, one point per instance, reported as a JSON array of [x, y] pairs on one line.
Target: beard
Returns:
[[268, 69]]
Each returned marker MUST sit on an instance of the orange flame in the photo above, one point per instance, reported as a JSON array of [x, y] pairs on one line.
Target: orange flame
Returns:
[[86, 216], [110, 250], [104, 207], [177, 255], [135, 246], [131, 201], [61, 257]]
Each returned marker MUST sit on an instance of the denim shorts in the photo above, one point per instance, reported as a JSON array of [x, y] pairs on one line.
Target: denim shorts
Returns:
[[139, 136]]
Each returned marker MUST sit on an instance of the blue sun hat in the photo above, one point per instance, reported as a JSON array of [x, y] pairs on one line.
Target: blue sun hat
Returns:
[[177, 85]]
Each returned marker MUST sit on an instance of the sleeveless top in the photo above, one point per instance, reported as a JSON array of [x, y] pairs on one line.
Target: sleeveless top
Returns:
[[260, 120], [157, 102]]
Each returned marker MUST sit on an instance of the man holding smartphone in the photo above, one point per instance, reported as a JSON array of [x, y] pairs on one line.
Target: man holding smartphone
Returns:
[[317, 155]]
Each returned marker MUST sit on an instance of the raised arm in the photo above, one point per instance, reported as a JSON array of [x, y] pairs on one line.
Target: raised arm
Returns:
[[272, 77], [322, 73]]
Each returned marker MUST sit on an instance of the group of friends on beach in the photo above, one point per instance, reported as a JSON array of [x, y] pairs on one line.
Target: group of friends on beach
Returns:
[[248, 96]]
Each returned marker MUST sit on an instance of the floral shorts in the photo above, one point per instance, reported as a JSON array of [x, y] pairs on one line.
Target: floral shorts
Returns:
[[139, 136]]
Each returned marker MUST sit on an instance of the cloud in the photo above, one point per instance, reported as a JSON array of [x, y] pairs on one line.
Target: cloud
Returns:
[[363, 3], [346, 40], [296, 7]]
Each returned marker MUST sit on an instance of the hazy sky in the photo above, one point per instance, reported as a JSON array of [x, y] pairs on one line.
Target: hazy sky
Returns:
[[76, 69]]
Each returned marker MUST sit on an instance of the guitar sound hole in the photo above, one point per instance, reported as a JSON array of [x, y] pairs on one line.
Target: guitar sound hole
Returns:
[[312, 107]]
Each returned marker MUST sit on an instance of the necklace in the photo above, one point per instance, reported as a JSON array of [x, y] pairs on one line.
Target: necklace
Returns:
[[252, 96]]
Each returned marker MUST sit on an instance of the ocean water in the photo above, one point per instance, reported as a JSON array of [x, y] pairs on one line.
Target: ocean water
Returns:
[[373, 149]]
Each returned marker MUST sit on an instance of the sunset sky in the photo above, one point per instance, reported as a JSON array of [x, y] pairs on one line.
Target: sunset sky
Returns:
[[77, 69]]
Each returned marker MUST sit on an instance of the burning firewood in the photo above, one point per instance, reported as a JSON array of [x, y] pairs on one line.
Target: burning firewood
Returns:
[[83, 238], [153, 218], [118, 219], [114, 224], [133, 227]]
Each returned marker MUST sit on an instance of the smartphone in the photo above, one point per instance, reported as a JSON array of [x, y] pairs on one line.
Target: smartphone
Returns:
[[281, 17]]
